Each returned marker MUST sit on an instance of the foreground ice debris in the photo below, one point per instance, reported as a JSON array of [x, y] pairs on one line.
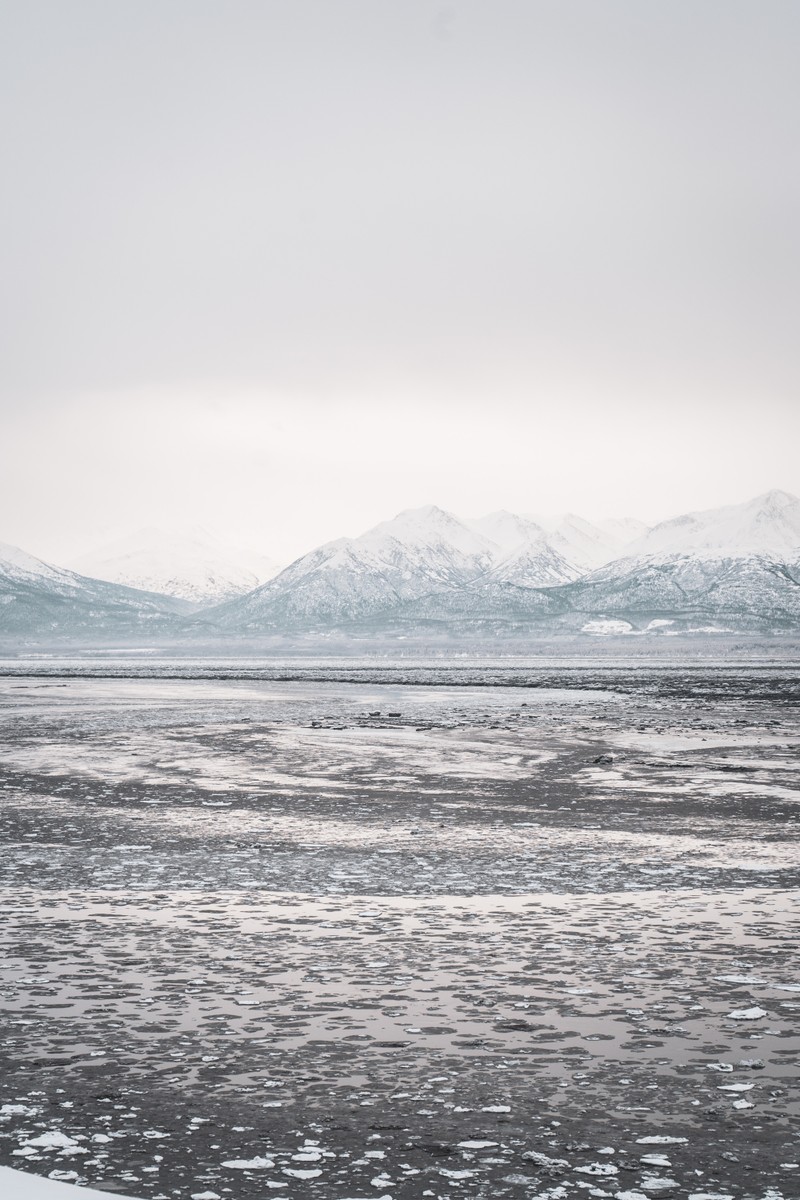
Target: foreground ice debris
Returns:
[[52, 1140], [272, 928], [249, 1164], [661, 1139]]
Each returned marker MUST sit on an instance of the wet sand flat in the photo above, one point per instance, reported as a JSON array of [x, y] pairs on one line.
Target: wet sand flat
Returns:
[[349, 939]]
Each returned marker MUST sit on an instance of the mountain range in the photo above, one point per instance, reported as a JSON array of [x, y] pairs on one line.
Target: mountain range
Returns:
[[423, 554], [427, 571]]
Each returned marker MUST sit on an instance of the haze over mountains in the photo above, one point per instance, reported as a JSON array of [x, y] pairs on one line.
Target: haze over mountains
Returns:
[[193, 566], [427, 571]]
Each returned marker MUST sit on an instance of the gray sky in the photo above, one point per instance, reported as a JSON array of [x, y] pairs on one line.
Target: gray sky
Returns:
[[285, 268]]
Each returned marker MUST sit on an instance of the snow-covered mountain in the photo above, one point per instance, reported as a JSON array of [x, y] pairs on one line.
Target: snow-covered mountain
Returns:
[[738, 566], [622, 530], [738, 593], [768, 524], [507, 530], [532, 565], [17, 567], [579, 544], [193, 566], [524, 553], [40, 600], [586, 545], [424, 552], [419, 551], [425, 568]]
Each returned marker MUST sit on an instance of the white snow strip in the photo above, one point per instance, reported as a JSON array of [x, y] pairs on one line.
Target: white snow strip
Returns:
[[17, 1185]]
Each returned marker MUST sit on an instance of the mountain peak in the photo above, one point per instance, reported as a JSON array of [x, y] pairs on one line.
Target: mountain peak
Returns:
[[20, 562], [774, 501], [427, 526], [426, 512], [767, 524], [508, 530]]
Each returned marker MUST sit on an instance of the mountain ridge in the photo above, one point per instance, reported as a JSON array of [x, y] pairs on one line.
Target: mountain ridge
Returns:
[[735, 563], [736, 567], [38, 598]]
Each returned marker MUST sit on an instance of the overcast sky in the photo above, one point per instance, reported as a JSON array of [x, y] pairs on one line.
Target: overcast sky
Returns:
[[283, 267]]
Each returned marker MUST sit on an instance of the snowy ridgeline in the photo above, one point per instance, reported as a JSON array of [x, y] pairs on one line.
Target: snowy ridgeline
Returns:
[[734, 569]]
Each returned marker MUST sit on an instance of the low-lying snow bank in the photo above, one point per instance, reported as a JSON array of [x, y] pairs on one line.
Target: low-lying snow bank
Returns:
[[17, 1185]]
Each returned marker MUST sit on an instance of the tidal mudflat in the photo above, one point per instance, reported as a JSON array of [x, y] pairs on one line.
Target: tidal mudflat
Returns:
[[524, 934]]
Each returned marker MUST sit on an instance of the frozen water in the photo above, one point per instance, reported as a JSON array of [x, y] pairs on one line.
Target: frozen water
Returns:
[[362, 938]]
